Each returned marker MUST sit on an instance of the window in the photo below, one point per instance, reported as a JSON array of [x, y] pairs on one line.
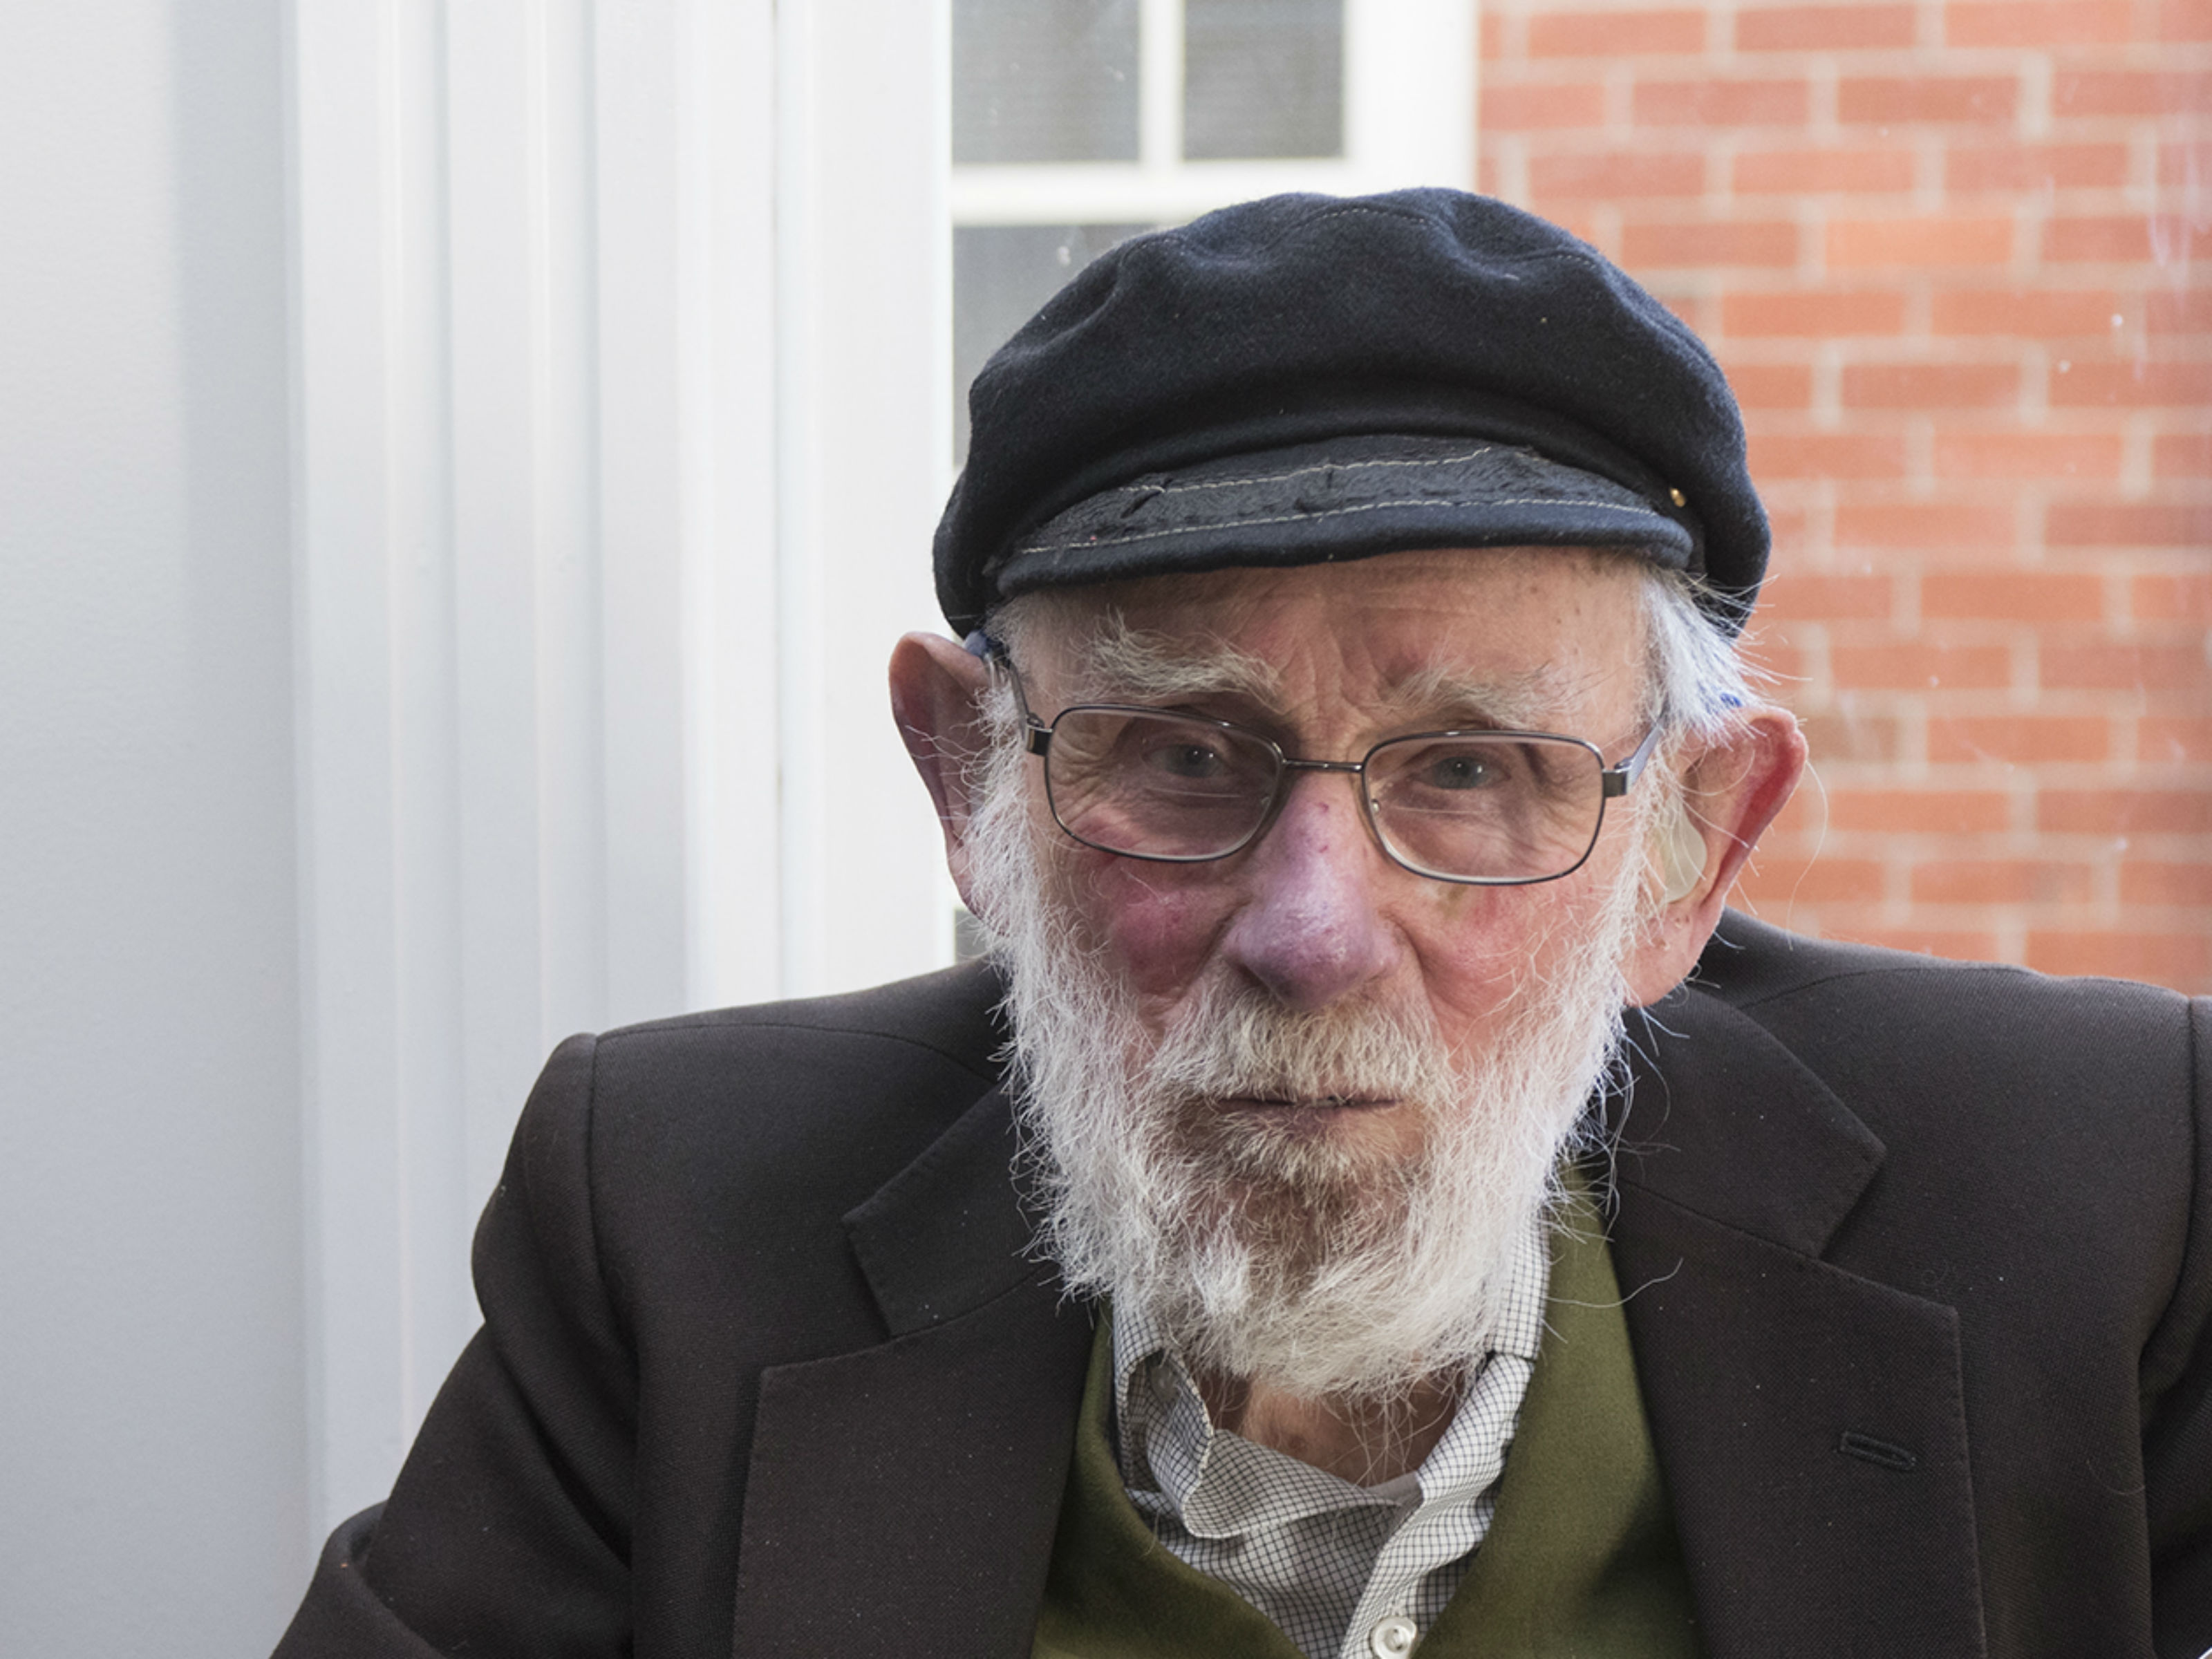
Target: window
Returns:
[[1079, 123]]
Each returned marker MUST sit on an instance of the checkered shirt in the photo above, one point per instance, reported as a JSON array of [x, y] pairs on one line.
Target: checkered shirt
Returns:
[[1325, 1559]]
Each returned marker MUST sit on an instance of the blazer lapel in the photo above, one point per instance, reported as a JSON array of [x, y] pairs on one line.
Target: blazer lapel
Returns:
[[1810, 1423], [902, 1499]]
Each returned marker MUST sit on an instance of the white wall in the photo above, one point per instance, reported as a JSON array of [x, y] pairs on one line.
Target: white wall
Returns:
[[152, 1431], [434, 567]]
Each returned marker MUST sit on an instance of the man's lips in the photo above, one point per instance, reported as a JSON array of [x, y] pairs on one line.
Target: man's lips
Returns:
[[1345, 1102]]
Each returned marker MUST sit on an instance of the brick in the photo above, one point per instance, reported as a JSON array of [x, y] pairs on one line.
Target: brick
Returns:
[[2000, 881], [1919, 242], [1812, 315], [1823, 28], [1625, 175], [2189, 312], [2124, 812], [1614, 33], [1923, 525], [1827, 455], [2181, 455], [1918, 666], [2123, 667], [2129, 92], [1893, 99], [1930, 385], [2030, 314], [2181, 961], [1534, 108], [1839, 737], [2121, 524], [1925, 811], [2165, 884], [2024, 738], [2162, 237], [1706, 243], [1779, 659], [1795, 596], [2185, 166], [1954, 945], [1781, 880], [2035, 167], [2185, 19], [2027, 455], [2137, 385], [2172, 598], [1712, 102], [2173, 739], [2011, 596], [1772, 386], [1811, 172], [1791, 525], [2036, 22]]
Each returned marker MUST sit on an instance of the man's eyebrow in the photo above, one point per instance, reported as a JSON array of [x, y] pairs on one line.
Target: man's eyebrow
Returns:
[[1530, 700], [1122, 663], [1119, 663]]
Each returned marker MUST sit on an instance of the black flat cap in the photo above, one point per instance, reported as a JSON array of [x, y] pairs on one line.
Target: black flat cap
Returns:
[[1311, 377]]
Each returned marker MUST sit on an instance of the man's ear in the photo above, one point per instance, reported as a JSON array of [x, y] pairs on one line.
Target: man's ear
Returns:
[[1731, 791], [936, 690]]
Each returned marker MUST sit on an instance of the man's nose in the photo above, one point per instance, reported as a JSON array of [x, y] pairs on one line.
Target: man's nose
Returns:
[[1309, 929]]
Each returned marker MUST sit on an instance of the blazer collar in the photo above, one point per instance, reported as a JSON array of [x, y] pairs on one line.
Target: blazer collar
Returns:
[[950, 1231], [902, 1499], [1810, 1423], [1719, 1118]]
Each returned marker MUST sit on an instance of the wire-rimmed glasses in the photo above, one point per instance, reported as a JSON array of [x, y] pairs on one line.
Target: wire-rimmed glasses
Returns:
[[1485, 808]]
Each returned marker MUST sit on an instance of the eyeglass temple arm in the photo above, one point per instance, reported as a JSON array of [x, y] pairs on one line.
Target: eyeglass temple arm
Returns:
[[1618, 778], [1036, 734]]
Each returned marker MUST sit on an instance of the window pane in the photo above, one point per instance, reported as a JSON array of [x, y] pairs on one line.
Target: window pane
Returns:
[[1263, 78], [1000, 274], [1044, 80]]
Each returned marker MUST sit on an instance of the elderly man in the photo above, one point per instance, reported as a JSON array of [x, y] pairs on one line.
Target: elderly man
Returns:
[[1286, 1244]]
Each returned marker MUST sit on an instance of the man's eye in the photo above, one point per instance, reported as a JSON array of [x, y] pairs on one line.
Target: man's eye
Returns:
[[1462, 772], [1185, 759]]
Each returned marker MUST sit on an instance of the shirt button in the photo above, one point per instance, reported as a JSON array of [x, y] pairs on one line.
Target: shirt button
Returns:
[[1393, 1638]]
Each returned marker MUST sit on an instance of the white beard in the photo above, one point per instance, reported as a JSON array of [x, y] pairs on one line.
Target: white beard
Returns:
[[1322, 1268]]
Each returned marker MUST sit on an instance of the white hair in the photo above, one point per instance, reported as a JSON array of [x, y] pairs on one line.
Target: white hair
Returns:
[[1697, 680]]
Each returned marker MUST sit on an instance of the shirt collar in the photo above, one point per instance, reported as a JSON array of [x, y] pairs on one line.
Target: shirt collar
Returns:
[[1224, 1485]]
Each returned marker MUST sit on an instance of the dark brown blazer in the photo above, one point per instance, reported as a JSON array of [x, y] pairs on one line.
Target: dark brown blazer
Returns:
[[1919, 1259]]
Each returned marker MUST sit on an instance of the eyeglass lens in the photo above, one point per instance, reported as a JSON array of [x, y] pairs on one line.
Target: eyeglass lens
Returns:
[[1503, 808]]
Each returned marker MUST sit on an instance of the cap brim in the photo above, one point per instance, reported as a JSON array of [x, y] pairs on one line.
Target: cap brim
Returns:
[[1348, 498]]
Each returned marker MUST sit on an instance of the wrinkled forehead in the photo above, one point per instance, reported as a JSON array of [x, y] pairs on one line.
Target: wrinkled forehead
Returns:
[[1511, 636]]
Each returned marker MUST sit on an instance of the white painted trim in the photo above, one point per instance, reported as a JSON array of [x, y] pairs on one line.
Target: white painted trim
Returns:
[[350, 559], [620, 332], [1159, 88], [863, 249]]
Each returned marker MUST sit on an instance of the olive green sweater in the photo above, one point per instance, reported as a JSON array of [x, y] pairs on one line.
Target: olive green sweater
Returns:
[[1580, 1561]]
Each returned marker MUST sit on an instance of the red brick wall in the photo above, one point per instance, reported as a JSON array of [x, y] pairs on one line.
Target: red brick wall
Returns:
[[1946, 254]]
